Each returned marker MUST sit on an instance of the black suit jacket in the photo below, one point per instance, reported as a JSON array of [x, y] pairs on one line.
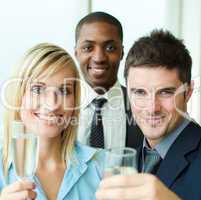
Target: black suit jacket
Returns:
[[181, 168], [134, 135]]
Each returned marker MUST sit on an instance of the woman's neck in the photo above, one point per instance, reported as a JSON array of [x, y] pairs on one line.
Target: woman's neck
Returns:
[[50, 152]]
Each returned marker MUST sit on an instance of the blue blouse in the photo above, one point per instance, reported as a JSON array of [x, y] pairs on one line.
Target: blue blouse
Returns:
[[80, 180]]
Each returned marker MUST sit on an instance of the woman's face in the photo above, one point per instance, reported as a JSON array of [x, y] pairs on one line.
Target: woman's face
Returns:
[[48, 102]]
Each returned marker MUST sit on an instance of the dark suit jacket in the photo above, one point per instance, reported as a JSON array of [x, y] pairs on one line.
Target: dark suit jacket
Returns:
[[181, 168], [134, 136]]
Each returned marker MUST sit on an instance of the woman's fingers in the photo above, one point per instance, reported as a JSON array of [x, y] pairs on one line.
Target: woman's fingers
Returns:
[[23, 195], [19, 186], [20, 190]]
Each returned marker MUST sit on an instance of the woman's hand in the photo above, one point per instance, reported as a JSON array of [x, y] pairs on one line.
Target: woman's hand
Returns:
[[20, 190]]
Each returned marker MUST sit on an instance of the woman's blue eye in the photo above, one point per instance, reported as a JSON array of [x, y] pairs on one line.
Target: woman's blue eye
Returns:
[[64, 91], [37, 89]]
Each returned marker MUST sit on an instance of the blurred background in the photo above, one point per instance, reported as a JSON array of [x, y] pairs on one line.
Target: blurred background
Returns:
[[25, 23]]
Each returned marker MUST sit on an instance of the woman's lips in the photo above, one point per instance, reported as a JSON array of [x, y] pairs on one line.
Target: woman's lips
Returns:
[[48, 117]]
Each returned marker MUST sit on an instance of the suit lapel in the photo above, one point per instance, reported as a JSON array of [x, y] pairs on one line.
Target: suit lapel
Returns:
[[171, 167], [175, 161]]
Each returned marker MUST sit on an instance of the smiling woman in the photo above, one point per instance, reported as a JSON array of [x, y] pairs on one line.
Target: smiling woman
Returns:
[[43, 102], [45, 97]]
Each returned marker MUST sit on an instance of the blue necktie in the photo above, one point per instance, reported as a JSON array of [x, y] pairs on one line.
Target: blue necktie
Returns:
[[152, 159], [97, 134]]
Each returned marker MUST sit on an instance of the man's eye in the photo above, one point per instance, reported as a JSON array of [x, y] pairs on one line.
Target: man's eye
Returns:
[[139, 93], [167, 93], [37, 89], [110, 48], [86, 48]]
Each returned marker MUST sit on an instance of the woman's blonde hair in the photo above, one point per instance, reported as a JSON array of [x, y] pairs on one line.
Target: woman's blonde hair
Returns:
[[44, 58]]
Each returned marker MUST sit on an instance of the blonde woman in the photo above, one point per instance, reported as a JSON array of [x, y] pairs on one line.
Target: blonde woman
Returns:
[[47, 95]]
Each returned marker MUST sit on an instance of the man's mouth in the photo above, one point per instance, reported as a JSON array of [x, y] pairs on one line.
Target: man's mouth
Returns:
[[98, 71], [155, 120]]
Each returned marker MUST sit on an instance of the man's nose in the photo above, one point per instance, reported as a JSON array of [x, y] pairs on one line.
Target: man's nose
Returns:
[[154, 104], [99, 55]]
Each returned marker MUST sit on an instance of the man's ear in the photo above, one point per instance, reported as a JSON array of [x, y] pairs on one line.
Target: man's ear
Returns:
[[189, 91], [122, 52]]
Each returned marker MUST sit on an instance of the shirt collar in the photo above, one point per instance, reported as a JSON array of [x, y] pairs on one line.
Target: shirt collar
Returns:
[[163, 147], [82, 153], [88, 94], [80, 156]]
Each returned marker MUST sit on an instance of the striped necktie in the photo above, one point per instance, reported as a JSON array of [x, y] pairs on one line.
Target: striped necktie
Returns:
[[97, 134]]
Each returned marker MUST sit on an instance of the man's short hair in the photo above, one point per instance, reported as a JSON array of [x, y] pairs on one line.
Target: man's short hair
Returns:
[[99, 17], [163, 49]]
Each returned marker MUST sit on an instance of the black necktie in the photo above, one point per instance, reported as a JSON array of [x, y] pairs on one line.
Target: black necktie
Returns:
[[97, 134]]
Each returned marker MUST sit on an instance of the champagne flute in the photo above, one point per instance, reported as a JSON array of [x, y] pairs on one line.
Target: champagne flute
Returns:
[[120, 161], [24, 148]]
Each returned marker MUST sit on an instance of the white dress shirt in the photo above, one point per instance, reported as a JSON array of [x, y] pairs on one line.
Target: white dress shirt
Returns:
[[113, 115]]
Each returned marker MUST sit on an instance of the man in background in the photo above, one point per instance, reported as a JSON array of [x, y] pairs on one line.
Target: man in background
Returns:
[[105, 118], [158, 76]]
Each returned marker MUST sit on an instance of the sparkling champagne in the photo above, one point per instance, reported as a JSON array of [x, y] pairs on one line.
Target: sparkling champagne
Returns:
[[24, 148], [119, 171]]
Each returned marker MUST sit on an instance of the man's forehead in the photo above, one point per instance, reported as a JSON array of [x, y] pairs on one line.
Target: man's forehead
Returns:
[[155, 89], [89, 30], [95, 41], [153, 77], [97, 24]]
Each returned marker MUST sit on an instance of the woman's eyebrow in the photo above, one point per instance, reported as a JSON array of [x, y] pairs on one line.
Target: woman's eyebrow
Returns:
[[37, 82]]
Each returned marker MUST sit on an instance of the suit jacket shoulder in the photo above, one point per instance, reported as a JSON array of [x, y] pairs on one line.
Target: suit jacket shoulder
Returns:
[[180, 170]]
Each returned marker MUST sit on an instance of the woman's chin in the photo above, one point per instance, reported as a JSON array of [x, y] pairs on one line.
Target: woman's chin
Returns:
[[44, 133], [48, 129]]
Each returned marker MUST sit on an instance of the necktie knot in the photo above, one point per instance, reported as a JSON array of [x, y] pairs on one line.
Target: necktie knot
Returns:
[[98, 103]]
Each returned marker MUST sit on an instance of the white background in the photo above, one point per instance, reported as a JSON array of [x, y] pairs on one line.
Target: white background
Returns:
[[25, 23]]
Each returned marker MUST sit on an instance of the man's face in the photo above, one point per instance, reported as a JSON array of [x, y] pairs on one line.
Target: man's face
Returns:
[[156, 98], [99, 51]]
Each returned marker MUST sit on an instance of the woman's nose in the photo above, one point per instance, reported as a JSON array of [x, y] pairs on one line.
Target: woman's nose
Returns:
[[52, 99]]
